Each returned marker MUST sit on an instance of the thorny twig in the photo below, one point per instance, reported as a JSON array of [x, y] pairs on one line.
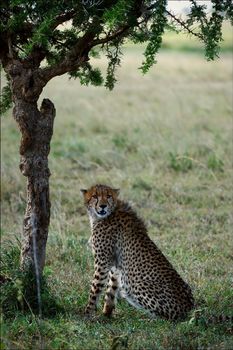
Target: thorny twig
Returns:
[[183, 25]]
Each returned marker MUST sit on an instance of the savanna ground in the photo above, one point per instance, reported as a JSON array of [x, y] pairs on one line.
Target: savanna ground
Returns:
[[165, 139]]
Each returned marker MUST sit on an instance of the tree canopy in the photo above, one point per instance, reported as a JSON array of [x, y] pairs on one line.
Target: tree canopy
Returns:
[[57, 37]]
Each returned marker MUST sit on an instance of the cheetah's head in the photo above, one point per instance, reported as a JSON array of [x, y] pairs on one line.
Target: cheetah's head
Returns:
[[100, 201]]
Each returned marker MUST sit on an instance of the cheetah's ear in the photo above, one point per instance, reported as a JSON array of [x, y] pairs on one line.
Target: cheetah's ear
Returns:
[[117, 191], [83, 192]]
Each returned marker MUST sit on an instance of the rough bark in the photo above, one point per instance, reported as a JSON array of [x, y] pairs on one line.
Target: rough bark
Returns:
[[36, 127], [34, 165]]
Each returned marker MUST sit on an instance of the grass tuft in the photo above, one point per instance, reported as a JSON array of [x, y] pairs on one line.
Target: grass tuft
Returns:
[[215, 163], [181, 163]]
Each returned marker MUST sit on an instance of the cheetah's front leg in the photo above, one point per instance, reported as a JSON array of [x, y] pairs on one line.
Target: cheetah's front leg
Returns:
[[99, 281], [110, 296]]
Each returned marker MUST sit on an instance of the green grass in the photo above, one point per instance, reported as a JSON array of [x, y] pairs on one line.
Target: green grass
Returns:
[[165, 140]]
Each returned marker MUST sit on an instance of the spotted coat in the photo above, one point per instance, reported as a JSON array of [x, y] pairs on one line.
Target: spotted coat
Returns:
[[129, 260]]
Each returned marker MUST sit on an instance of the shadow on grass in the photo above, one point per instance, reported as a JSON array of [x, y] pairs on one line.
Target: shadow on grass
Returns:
[[18, 289]]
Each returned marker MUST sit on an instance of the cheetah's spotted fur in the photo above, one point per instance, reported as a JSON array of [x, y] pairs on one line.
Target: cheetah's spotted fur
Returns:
[[130, 261]]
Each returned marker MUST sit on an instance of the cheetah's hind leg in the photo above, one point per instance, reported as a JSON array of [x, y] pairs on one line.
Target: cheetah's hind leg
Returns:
[[111, 293]]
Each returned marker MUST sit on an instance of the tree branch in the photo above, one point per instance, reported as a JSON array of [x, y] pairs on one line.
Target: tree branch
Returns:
[[79, 53], [64, 17], [38, 54], [183, 25], [179, 21], [111, 37], [75, 58]]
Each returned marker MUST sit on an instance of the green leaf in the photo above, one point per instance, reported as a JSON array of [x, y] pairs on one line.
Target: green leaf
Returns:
[[88, 75], [158, 22]]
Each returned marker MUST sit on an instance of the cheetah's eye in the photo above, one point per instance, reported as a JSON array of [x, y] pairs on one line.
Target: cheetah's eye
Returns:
[[109, 196], [94, 196]]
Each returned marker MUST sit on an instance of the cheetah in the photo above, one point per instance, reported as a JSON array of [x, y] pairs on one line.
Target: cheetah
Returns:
[[129, 260]]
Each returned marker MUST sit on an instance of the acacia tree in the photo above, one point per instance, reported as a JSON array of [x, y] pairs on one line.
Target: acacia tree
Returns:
[[43, 39]]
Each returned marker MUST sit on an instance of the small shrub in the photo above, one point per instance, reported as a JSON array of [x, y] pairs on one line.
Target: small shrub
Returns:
[[214, 163], [180, 163], [120, 141]]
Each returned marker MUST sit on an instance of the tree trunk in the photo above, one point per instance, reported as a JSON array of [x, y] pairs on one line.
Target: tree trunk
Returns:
[[36, 127]]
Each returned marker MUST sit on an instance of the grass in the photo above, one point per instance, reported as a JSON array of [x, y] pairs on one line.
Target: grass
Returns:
[[165, 140]]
